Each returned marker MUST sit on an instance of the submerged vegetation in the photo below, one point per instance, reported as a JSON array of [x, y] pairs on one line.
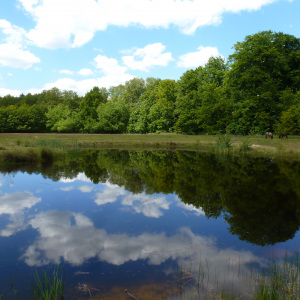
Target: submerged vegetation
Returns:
[[279, 279]]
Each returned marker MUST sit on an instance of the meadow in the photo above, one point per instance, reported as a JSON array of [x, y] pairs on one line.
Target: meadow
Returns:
[[256, 145]]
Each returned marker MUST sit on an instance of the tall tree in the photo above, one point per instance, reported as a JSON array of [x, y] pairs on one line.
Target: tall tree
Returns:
[[261, 68], [88, 107]]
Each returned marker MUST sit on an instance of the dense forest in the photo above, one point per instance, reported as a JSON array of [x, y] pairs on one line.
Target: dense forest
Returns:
[[257, 89]]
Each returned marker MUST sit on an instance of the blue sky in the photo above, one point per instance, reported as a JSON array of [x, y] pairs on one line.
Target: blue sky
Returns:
[[78, 44]]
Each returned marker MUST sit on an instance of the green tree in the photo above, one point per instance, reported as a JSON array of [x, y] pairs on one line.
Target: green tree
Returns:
[[289, 121], [139, 117], [113, 117], [88, 107], [201, 105], [261, 68], [187, 103], [161, 113], [133, 90]]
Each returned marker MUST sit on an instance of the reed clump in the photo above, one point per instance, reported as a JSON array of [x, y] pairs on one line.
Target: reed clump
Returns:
[[224, 141], [49, 288], [280, 280]]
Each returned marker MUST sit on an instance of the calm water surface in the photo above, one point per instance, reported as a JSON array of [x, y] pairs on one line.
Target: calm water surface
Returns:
[[178, 225]]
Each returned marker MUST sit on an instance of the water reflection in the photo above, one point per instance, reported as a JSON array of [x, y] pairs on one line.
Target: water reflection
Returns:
[[144, 210], [14, 205]]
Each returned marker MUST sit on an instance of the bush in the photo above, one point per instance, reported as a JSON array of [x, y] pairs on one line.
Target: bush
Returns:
[[47, 155]]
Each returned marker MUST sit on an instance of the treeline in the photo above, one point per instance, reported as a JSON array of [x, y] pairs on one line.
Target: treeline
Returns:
[[256, 90]]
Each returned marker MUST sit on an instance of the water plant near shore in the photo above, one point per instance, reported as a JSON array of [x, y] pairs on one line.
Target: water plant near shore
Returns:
[[49, 288]]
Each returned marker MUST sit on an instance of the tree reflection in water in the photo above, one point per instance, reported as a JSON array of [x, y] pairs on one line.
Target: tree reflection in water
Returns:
[[258, 197]]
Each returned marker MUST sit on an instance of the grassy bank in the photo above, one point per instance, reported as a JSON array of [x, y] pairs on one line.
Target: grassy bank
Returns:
[[254, 145]]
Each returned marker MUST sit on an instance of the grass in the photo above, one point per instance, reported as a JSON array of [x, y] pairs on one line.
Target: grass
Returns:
[[49, 288], [279, 280], [254, 145]]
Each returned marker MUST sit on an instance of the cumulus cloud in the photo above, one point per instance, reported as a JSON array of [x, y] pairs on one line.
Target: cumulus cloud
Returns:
[[113, 74], [12, 52], [110, 194], [108, 65], [14, 203], [79, 177], [4, 92], [85, 72], [74, 238], [144, 58], [85, 188], [147, 205], [16, 223], [198, 58], [68, 23]]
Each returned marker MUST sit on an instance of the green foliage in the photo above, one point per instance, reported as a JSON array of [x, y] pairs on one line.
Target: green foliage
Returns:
[[90, 102], [245, 144], [289, 121], [113, 117], [49, 288], [224, 141], [256, 91], [161, 113], [261, 68], [280, 280], [201, 105], [47, 155], [29, 156]]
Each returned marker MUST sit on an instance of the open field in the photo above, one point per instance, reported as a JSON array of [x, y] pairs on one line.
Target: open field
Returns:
[[254, 145]]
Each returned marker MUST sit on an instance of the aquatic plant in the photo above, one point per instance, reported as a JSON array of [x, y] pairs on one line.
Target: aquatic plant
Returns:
[[49, 288], [245, 144], [280, 280], [224, 141]]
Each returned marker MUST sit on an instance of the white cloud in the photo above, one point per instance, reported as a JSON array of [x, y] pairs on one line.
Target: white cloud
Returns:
[[144, 58], [86, 188], [74, 238], [85, 72], [67, 72], [5, 92], [113, 75], [110, 194], [80, 177], [16, 202], [83, 86], [17, 223], [12, 52], [108, 65], [67, 188], [13, 56], [69, 23], [147, 205], [198, 58]]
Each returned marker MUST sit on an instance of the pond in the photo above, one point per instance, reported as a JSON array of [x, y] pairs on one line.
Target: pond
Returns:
[[146, 224]]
